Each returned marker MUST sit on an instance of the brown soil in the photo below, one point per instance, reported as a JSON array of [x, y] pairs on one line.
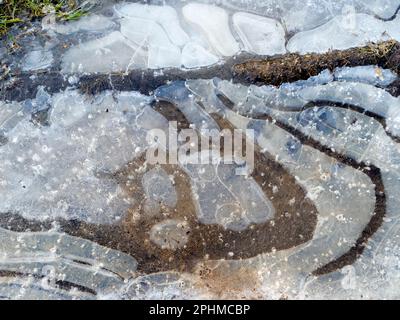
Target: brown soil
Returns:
[[293, 67]]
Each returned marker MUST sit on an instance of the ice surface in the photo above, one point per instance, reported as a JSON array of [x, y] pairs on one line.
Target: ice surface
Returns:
[[227, 199], [214, 22], [178, 94], [216, 186], [260, 35], [61, 257], [366, 74], [147, 33], [363, 95], [343, 195], [343, 32], [358, 136], [384, 9], [332, 186], [94, 137], [100, 55], [10, 114], [298, 15], [29, 288], [170, 234], [37, 60], [195, 56], [164, 285], [159, 191], [194, 35], [337, 134], [166, 16], [90, 23], [256, 101]]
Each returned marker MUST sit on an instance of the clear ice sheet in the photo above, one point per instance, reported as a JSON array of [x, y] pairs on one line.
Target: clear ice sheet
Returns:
[[197, 34], [65, 167]]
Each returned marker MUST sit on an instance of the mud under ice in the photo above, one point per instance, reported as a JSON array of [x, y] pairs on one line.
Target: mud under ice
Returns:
[[307, 208], [66, 166]]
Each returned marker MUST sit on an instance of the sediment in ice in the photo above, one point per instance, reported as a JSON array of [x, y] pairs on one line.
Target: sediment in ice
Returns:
[[333, 187], [59, 153], [170, 234], [159, 191]]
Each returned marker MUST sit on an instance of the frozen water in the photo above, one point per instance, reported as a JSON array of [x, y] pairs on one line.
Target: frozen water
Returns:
[[257, 101], [227, 199], [165, 286], [214, 22], [333, 187], [91, 23], [65, 156], [343, 32], [147, 33], [343, 195], [61, 257], [29, 288], [170, 234], [99, 55], [166, 16], [159, 190], [178, 94], [298, 15], [195, 56], [94, 137], [37, 60], [260, 35], [384, 9], [366, 74], [201, 34]]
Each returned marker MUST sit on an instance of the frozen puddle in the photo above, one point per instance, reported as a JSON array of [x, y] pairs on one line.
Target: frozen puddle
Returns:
[[195, 35], [106, 132], [306, 208]]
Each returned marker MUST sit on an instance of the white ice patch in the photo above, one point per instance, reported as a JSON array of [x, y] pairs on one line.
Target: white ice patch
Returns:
[[37, 60], [343, 196], [344, 32], [90, 23], [166, 16], [100, 55], [259, 35], [202, 34], [214, 22], [195, 56]]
